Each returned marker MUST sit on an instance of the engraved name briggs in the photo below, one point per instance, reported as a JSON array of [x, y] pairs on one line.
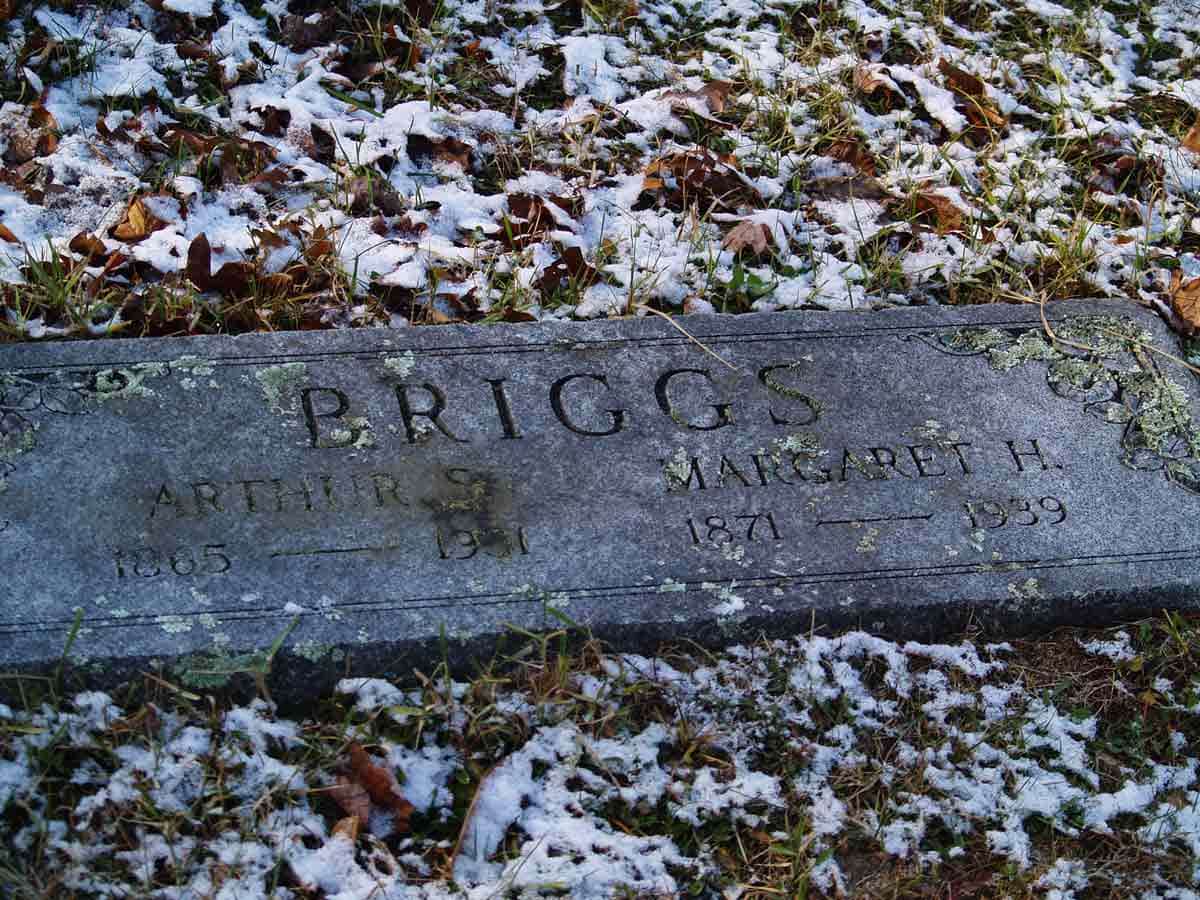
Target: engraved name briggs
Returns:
[[445, 513]]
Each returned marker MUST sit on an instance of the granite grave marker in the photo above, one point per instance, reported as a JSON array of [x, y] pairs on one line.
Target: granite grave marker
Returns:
[[382, 497]]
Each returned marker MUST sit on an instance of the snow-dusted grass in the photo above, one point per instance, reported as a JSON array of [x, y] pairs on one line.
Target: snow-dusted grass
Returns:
[[821, 767], [360, 163]]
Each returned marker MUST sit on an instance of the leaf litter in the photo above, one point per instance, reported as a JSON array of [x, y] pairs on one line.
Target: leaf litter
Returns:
[[471, 161], [848, 765]]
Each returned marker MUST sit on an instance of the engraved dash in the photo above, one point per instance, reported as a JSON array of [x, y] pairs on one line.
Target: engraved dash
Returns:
[[865, 521], [330, 551]]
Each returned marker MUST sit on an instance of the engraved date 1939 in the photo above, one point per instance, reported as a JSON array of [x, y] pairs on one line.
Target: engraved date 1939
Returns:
[[1025, 511]]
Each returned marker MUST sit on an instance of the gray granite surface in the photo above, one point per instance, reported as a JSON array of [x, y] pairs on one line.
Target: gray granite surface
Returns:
[[386, 498]]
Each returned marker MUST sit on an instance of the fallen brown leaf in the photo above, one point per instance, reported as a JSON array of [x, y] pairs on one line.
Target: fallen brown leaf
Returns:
[[199, 262], [137, 225], [946, 216], [570, 266], [870, 79], [714, 95], [347, 828], [700, 178], [352, 797], [447, 150], [1185, 301], [7, 235], [853, 152], [380, 784], [1191, 140], [978, 108], [86, 244], [235, 279], [753, 236]]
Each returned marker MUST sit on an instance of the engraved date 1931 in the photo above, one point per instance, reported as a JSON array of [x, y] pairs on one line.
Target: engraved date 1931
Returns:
[[463, 543]]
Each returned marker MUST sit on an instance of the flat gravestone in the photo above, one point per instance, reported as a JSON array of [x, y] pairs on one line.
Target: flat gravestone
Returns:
[[379, 499]]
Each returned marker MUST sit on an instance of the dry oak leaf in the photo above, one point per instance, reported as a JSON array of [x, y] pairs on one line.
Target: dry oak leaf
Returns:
[[946, 215], [853, 152], [752, 236], [979, 109], [1191, 140], [871, 78], [1185, 301], [7, 235], [713, 95], [87, 245], [380, 784], [234, 279], [137, 225]]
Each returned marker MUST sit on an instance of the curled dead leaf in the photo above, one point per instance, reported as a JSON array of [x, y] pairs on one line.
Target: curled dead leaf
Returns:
[[754, 237], [347, 828], [7, 235], [700, 178], [1191, 140], [352, 797], [380, 784], [137, 224], [713, 96], [446, 150], [944, 213], [87, 245], [978, 108], [871, 79], [1185, 302], [199, 262], [853, 152], [570, 268]]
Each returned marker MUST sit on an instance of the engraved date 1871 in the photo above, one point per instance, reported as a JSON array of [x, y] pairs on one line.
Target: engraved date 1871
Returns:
[[758, 526]]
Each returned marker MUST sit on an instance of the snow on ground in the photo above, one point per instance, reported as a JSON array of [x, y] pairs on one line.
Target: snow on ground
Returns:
[[912, 754], [523, 159]]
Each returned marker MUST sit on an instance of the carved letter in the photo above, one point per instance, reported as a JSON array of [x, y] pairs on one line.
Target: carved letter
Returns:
[[503, 409], [922, 459], [675, 480], [248, 493], [432, 412], [887, 460], [310, 418], [282, 493], [728, 469], [962, 458], [167, 499], [327, 491], [810, 409], [556, 403], [664, 401], [850, 461], [385, 483], [206, 492], [1019, 456]]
